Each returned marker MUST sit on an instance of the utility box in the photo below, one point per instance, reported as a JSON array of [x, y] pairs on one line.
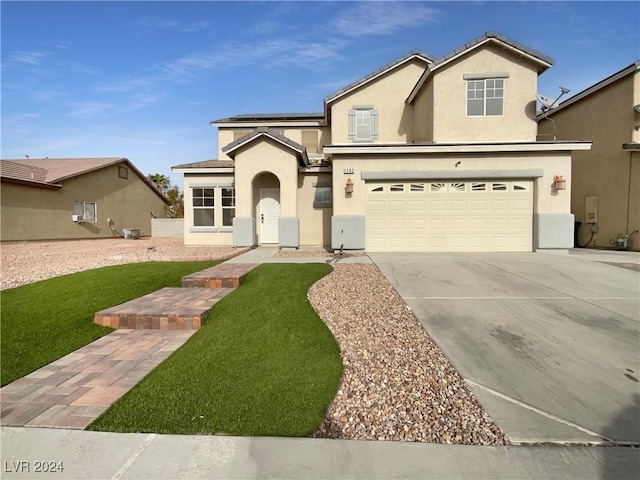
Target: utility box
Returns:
[[131, 233], [591, 209]]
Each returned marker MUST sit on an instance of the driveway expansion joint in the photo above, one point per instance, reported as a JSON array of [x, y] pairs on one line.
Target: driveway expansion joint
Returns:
[[548, 415]]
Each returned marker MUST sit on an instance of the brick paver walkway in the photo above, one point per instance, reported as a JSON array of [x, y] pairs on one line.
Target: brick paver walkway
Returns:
[[74, 390], [166, 309], [177, 308]]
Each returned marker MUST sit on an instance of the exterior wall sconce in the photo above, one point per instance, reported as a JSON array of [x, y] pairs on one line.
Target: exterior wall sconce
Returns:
[[559, 183], [348, 189]]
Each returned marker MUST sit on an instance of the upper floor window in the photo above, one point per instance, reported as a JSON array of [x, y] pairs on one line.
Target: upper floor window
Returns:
[[485, 97], [363, 123]]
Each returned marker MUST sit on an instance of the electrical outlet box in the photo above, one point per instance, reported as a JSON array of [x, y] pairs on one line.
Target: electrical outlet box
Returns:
[[594, 228], [591, 209]]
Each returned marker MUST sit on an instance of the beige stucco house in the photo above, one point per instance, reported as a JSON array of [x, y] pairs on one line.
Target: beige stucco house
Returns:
[[423, 154], [75, 198], [605, 190]]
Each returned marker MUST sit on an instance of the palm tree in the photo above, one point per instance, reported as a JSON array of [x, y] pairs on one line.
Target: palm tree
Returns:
[[162, 182]]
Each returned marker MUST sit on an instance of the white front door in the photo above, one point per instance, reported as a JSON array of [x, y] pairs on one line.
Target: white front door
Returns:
[[269, 214]]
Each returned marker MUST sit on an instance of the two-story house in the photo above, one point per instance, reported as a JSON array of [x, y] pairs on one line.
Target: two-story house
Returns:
[[423, 154], [605, 191]]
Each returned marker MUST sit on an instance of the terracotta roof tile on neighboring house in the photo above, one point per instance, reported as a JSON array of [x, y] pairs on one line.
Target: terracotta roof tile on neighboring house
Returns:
[[62, 168], [14, 170], [51, 171]]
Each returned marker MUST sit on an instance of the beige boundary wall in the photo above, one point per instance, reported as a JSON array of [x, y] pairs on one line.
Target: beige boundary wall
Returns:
[[167, 227]]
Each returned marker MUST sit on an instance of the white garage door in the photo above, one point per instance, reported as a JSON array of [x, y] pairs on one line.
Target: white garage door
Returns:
[[450, 216]]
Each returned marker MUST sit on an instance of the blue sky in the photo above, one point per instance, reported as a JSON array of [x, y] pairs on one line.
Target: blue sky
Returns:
[[143, 80]]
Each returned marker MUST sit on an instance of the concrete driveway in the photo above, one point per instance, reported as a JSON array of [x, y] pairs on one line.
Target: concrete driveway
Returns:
[[550, 344]]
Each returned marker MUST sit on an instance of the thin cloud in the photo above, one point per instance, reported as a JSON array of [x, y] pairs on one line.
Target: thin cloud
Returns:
[[382, 18], [90, 109], [159, 23], [30, 58], [270, 53]]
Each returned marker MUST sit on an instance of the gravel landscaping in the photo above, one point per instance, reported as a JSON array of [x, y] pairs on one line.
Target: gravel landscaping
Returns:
[[397, 384], [24, 263]]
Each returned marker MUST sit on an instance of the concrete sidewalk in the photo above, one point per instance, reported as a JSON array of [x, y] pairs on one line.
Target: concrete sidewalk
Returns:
[[98, 455]]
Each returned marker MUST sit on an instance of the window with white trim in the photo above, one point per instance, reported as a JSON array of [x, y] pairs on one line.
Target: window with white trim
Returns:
[[203, 207], [363, 123], [228, 206], [485, 97], [87, 211], [322, 197]]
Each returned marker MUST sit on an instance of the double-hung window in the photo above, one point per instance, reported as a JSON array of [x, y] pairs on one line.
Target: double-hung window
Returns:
[[485, 97], [363, 123], [203, 207], [228, 206]]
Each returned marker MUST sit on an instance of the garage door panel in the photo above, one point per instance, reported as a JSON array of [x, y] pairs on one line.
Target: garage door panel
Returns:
[[436, 216], [396, 205], [416, 206], [458, 206]]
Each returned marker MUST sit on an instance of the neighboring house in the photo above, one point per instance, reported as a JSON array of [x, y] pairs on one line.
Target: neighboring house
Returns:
[[75, 198], [423, 154], [605, 190]]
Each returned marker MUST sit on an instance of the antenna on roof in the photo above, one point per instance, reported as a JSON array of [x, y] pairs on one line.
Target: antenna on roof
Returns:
[[548, 103]]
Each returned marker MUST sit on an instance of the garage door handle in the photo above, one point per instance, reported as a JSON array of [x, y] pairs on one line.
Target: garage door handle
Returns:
[[262, 217]]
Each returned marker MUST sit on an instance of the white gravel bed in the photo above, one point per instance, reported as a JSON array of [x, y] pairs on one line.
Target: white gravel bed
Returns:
[[397, 384], [24, 263]]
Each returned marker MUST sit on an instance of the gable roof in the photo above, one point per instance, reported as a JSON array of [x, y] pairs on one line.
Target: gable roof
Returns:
[[301, 151], [376, 73], [49, 172], [58, 169], [634, 67], [535, 56]]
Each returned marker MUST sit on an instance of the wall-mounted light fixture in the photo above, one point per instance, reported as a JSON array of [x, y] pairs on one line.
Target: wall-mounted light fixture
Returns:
[[559, 183], [348, 189]]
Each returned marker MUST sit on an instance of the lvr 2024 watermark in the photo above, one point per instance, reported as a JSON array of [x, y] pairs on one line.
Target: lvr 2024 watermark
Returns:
[[25, 466]]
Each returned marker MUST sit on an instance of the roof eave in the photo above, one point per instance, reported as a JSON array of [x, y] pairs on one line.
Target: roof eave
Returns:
[[31, 183], [232, 148], [592, 89]]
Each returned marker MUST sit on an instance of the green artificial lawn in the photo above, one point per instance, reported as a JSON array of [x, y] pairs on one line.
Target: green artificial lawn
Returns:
[[44, 321], [262, 364]]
